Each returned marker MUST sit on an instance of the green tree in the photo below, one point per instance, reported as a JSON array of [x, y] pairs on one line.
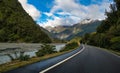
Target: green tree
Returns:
[[115, 43], [85, 39], [69, 46], [108, 33], [45, 50]]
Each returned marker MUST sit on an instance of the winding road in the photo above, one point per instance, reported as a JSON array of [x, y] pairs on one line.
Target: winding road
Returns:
[[89, 60]]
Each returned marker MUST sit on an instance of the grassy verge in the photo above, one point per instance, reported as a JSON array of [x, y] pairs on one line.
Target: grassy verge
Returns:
[[109, 50], [17, 63], [112, 51]]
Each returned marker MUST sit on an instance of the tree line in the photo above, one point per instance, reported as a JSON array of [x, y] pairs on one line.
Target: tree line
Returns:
[[108, 33]]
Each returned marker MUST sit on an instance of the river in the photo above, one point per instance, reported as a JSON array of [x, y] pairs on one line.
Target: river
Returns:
[[30, 49]]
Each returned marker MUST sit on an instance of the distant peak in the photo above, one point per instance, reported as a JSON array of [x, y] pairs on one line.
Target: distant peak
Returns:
[[85, 21]]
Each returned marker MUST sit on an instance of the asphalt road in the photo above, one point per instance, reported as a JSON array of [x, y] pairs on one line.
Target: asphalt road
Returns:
[[91, 60]]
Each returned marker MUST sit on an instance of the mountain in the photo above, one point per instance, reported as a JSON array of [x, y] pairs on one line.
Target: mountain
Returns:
[[69, 32], [17, 26], [52, 36]]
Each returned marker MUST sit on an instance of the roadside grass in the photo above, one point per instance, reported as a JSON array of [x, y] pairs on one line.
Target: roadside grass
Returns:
[[16, 64], [115, 52], [112, 51]]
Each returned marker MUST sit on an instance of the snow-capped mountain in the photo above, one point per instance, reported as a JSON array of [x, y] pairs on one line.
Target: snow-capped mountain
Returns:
[[86, 21], [79, 29]]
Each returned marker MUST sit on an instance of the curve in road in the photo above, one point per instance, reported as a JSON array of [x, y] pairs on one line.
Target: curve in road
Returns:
[[91, 60]]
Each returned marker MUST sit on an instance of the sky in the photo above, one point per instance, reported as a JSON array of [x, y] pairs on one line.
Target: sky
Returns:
[[65, 12]]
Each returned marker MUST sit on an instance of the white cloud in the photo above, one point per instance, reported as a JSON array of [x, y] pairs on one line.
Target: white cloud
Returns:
[[76, 12], [30, 9], [79, 10], [63, 13], [59, 21], [48, 14]]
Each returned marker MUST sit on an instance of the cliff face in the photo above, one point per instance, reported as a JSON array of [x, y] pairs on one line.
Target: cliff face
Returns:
[[17, 26]]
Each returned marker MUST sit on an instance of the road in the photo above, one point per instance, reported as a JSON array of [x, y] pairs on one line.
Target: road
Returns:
[[90, 60]]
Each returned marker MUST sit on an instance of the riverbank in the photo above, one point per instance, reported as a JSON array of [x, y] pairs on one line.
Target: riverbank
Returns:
[[14, 49], [17, 63]]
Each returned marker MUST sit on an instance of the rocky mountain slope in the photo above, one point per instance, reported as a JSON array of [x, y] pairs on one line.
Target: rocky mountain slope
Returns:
[[69, 32]]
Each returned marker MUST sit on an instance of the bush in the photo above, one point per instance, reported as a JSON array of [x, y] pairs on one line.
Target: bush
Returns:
[[40, 53], [115, 46], [24, 57], [69, 46], [46, 49]]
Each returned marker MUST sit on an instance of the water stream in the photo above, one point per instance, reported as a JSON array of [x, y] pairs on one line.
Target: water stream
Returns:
[[5, 58]]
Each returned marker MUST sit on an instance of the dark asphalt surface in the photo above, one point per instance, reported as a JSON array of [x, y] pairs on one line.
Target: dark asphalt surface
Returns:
[[37, 67], [91, 60]]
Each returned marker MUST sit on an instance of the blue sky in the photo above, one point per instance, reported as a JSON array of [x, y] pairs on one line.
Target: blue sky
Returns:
[[64, 12]]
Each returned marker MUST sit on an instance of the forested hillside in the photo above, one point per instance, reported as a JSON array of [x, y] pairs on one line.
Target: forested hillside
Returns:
[[17, 26], [108, 33]]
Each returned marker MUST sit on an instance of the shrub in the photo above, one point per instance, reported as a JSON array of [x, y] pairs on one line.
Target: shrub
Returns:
[[115, 46], [24, 57], [71, 45], [46, 49], [40, 53]]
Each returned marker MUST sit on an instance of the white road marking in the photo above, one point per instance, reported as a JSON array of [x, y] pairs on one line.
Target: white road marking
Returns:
[[55, 65]]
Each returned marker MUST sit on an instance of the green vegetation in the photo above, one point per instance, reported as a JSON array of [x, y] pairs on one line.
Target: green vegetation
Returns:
[[112, 51], [24, 57], [108, 33], [76, 39], [46, 50], [55, 40], [21, 57], [17, 26], [72, 44]]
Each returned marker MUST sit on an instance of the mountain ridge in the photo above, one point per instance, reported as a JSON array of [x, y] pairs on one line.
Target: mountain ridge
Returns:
[[79, 29]]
